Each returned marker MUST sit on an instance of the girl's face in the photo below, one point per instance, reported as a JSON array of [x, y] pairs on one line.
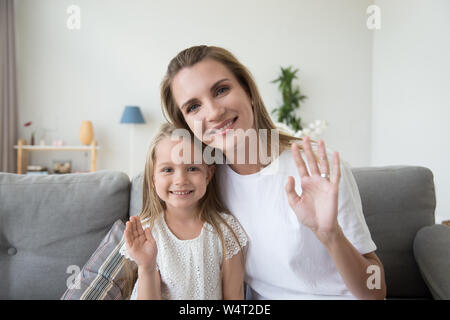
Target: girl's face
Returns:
[[179, 185], [212, 102]]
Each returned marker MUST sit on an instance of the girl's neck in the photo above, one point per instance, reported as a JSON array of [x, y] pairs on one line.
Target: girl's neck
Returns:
[[182, 215]]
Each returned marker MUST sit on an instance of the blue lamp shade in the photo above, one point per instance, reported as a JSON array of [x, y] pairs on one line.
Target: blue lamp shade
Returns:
[[132, 114]]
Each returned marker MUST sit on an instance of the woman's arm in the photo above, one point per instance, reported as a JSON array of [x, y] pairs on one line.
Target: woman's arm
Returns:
[[233, 277], [355, 268], [149, 284], [317, 208]]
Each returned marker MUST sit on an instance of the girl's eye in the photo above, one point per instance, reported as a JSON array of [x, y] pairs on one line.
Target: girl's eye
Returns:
[[222, 90], [192, 108], [192, 169], [166, 170]]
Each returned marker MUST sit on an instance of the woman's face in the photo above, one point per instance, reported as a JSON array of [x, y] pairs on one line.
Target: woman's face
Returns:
[[212, 102]]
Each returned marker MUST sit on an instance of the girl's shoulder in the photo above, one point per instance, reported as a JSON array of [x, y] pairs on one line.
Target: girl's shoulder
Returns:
[[233, 231]]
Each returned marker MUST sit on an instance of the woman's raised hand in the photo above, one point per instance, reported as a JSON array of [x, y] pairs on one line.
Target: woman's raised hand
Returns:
[[317, 207], [140, 244]]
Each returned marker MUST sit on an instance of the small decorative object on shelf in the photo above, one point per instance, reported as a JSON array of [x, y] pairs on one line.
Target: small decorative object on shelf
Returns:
[[29, 124], [23, 149], [36, 170], [86, 132], [62, 166]]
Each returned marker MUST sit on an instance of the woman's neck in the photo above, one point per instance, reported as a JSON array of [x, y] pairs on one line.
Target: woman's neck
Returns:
[[253, 161]]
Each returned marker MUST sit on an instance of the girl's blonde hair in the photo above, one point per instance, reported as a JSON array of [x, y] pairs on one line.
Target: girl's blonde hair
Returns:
[[210, 205], [193, 55]]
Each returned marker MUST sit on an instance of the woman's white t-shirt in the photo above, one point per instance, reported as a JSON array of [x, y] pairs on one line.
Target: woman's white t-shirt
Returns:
[[284, 259], [191, 269]]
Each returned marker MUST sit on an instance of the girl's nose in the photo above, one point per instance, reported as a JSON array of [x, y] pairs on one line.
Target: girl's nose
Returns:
[[180, 178]]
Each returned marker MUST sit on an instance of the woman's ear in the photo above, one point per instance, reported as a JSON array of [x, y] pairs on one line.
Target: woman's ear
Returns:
[[210, 172]]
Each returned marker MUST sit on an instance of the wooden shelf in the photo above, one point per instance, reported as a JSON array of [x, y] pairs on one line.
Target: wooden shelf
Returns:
[[23, 149]]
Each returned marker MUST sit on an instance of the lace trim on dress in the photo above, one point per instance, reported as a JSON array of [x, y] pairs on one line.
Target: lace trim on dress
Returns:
[[232, 247]]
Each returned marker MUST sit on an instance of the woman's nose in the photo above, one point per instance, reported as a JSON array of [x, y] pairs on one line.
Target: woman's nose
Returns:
[[214, 111]]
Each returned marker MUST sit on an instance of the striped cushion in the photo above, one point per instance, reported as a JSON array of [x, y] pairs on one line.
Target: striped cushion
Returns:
[[102, 276]]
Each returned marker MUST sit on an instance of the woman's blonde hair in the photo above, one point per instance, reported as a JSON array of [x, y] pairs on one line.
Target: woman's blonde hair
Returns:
[[193, 55], [210, 205]]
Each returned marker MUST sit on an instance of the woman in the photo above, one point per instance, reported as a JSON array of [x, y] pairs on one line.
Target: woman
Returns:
[[307, 240]]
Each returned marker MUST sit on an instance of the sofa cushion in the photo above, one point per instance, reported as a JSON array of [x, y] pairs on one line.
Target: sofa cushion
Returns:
[[103, 276], [397, 201], [50, 224], [432, 253]]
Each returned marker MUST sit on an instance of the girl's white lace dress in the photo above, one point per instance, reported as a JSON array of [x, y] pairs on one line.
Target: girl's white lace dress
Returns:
[[191, 269]]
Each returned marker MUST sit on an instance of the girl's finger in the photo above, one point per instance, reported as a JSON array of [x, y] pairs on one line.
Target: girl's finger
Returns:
[[135, 229], [299, 160], [139, 226], [336, 177], [128, 234], [324, 165], [292, 195], [310, 156]]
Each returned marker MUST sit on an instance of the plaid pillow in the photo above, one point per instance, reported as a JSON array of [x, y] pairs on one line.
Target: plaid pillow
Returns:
[[102, 277]]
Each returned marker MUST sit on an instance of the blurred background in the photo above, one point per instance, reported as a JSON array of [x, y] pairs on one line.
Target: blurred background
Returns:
[[378, 73]]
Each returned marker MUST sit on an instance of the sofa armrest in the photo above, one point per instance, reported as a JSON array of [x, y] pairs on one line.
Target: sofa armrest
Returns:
[[432, 253]]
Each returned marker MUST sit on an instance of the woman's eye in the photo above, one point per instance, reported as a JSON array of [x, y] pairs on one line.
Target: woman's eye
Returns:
[[222, 90], [192, 108], [165, 170]]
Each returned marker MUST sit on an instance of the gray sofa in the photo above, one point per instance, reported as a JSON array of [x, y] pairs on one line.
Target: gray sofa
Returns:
[[48, 223]]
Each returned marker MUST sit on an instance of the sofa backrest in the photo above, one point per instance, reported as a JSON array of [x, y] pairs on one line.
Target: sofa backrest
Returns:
[[49, 223], [397, 201]]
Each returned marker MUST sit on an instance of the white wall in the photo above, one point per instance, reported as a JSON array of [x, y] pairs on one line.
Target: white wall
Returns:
[[411, 90], [120, 54]]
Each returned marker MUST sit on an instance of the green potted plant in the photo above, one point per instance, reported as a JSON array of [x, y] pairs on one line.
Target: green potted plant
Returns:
[[292, 98]]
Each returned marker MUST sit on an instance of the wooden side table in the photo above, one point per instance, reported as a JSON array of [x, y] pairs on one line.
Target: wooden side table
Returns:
[[23, 149]]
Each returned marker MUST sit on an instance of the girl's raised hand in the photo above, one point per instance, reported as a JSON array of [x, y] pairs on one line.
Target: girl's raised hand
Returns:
[[140, 244], [317, 207]]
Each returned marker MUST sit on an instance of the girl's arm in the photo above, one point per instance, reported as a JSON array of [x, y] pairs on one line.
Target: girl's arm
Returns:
[[149, 284], [233, 277]]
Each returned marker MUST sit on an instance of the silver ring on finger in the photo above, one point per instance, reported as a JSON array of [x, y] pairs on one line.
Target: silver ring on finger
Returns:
[[325, 175]]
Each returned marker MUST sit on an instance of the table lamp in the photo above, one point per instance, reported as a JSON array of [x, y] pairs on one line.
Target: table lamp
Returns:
[[131, 115]]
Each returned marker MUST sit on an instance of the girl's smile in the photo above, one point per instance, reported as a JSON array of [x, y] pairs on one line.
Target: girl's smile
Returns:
[[179, 185]]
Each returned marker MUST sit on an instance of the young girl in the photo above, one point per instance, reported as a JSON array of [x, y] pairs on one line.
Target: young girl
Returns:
[[185, 243]]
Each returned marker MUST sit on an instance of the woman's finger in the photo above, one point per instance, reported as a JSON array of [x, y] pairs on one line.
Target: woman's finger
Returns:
[[299, 160], [292, 195], [336, 177], [324, 165], [312, 162]]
